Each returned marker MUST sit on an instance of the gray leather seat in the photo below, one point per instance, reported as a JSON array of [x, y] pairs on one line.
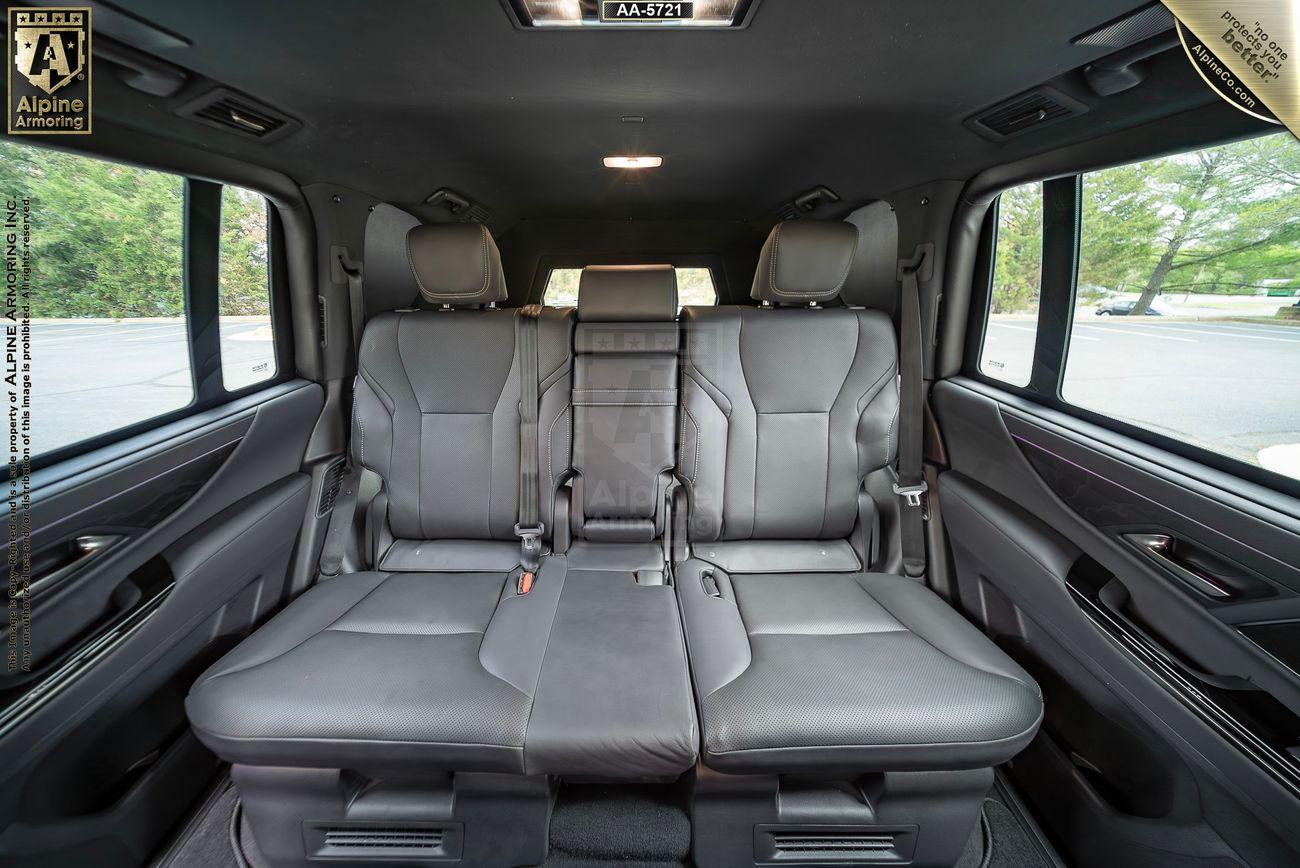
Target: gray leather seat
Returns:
[[803, 661], [434, 660]]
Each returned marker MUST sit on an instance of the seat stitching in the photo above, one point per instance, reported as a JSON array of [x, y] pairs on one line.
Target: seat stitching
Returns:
[[304, 639], [550, 460], [695, 467], [939, 650], [419, 453], [848, 372]]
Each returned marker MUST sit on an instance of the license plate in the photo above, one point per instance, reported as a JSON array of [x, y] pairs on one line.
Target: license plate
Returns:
[[620, 11]]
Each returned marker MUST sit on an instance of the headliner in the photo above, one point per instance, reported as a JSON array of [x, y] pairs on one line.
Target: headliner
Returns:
[[402, 97]]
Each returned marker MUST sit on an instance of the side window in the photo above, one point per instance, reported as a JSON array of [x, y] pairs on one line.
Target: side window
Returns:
[[109, 344], [694, 287], [1187, 317], [106, 292], [244, 290], [1012, 325]]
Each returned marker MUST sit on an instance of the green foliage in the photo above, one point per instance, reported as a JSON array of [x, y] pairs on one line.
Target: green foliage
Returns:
[[1222, 220], [1020, 250], [107, 239]]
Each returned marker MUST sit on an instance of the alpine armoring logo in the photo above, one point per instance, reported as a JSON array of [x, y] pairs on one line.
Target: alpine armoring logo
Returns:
[[49, 71]]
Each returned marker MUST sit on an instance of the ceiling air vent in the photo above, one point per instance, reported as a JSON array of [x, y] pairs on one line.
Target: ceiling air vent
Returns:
[[1031, 110], [236, 113]]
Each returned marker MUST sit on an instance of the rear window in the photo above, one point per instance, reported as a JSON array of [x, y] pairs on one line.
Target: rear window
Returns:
[[694, 287]]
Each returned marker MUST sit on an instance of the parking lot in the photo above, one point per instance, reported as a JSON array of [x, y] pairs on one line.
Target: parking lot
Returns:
[[1233, 387], [90, 377]]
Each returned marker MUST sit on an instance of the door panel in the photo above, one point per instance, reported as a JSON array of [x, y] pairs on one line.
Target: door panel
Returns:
[[1170, 725], [202, 519]]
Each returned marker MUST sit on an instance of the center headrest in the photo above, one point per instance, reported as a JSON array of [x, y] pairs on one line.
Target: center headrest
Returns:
[[627, 293], [456, 264], [805, 261]]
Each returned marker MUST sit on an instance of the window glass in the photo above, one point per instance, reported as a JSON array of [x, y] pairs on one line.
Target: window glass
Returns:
[[1008, 351], [1187, 318], [109, 345], [244, 290], [694, 287]]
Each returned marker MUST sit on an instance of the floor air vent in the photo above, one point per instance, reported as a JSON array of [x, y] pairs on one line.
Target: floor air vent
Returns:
[[236, 113], [409, 842], [1028, 111], [851, 845]]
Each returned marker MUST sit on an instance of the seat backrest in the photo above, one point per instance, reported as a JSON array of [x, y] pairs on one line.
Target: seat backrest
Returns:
[[436, 409], [624, 401], [787, 407]]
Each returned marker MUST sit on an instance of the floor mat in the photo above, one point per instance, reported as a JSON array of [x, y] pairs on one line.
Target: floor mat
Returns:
[[205, 841], [600, 824]]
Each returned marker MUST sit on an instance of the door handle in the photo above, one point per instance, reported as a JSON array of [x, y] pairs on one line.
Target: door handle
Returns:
[[1162, 549], [64, 560]]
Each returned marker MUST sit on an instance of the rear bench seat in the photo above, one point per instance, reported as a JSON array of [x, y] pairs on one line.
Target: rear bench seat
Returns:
[[431, 695]]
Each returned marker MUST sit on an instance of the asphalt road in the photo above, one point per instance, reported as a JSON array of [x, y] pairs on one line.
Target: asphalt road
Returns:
[[1230, 387], [92, 378]]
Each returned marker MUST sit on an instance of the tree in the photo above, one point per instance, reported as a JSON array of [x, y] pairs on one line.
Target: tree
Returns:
[[107, 239]]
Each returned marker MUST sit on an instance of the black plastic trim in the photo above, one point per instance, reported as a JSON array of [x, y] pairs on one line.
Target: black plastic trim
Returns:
[[1184, 685]]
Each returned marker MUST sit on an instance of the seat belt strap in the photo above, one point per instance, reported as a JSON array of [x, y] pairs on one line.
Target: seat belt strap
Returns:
[[345, 504], [356, 302], [529, 528], [911, 486]]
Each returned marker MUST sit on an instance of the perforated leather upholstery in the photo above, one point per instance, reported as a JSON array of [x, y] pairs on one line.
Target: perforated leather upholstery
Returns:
[[785, 411]]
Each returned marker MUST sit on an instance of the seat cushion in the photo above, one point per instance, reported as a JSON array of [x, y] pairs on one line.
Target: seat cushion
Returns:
[[847, 673], [371, 671]]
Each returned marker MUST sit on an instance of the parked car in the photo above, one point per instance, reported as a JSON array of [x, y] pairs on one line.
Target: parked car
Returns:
[[1120, 307]]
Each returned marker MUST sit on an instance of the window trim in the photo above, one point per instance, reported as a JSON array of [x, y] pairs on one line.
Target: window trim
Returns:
[[199, 269], [1066, 245]]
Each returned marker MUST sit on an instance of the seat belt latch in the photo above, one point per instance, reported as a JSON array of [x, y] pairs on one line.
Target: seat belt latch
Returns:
[[530, 546], [914, 495]]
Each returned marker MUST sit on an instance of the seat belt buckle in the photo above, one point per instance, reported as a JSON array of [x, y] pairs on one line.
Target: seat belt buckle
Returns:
[[524, 583], [914, 495]]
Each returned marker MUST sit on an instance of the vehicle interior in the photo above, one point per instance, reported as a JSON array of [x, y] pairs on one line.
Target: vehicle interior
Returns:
[[508, 433]]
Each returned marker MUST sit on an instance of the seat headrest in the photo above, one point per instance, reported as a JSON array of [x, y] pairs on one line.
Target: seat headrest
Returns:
[[456, 264], [804, 261], [627, 293]]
